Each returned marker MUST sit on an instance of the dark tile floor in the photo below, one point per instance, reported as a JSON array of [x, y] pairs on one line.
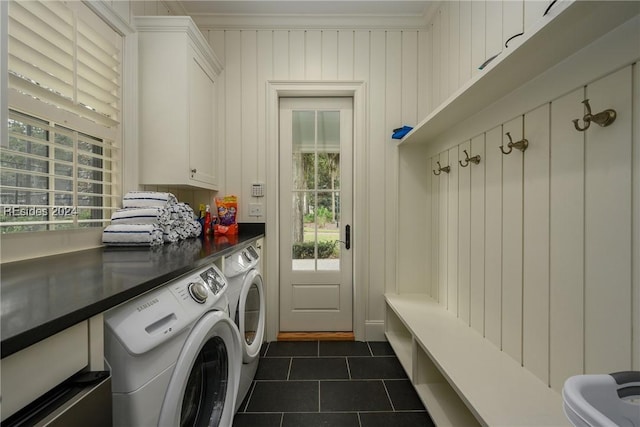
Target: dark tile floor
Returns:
[[331, 384]]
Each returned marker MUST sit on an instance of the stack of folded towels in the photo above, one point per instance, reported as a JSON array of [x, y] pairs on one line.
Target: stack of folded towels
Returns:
[[150, 218]]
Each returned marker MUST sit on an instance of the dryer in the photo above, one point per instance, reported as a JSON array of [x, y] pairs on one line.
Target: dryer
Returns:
[[175, 354], [247, 308]]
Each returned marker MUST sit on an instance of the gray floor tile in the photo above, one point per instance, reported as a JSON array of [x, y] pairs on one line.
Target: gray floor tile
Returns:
[[396, 419], [344, 348], [323, 368], [376, 368], [284, 396], [257, 420], [344, 396], [292, 348], [331, 419], [381, 348], [273, 368], [403, 395]]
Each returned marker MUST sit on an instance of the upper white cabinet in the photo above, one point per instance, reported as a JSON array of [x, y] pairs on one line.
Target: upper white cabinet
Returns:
[[178, 82]]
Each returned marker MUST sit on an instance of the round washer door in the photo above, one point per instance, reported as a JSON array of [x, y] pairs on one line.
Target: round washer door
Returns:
[[204, 384], [250, 316]]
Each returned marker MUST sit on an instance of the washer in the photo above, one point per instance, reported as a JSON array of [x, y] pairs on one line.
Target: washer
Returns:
[[175, 354], [247, 308]]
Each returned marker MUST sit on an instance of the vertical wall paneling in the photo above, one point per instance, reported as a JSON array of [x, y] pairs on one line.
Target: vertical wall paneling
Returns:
[[476, 261], [464, 237], [533, 11], [465, 42], [313, 55], [217, 41], [409, 78], [233, 107], [454, 46], [452, 233], [345, 54], [394, 118], [512, 19], [493, 35], [435, 229], [535, 288], [566, 245], [361, 56], [330, 55], [478, 30], [424, 74], [281, 54], [493, 236], [250, 158], [608, 228], [436, 48], [636, 217], [265, 73], [512, 165], [445, 51], [297, 56], [429, 230], [378, 139], [444, 227]]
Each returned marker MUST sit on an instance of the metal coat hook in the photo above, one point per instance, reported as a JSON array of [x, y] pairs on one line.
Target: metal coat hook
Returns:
[[475, 159], [604, 118], [441, 169], [520, 145]]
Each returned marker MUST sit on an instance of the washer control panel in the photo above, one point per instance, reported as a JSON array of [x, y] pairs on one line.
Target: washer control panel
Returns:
[[213, 280]]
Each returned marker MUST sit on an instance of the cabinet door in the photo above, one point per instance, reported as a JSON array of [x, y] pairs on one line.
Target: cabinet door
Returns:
[[202, 162]]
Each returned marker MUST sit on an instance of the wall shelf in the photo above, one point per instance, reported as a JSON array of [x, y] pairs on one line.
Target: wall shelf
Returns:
[[569, 26]]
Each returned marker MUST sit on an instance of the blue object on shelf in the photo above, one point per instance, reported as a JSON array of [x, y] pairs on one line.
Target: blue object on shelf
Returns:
[[401, 132]]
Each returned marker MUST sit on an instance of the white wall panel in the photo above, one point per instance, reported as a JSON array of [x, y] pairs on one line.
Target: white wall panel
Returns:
[[533, 11], [477, 254], [313, 55], [635, 348], [281, 55], [608, 228], [464, 235], [454, 46], [566, 245], [409, 79], [426, 52], [452, 233], [444, 229], [424, 72], [249, 92], [435, 229], [297, 55], [445, 51], [493, 35], [465, 42], [478, 33], [346, 55], [330, 54], [493, 237], [512, 167], [394, 118], [233, 108], [535, 290], [512, 19], [265, 72], [436, 55]]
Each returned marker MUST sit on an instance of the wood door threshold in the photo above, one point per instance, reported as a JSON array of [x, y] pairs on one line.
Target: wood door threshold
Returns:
[[316, 336]]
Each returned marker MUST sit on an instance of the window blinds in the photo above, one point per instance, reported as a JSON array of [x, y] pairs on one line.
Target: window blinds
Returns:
[[60, 165], [64, 55]]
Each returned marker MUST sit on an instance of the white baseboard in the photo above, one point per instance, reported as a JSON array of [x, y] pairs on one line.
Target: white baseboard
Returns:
[[374, 330]]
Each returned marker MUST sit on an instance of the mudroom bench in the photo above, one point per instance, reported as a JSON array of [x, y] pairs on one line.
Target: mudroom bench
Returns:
[[462, 378]]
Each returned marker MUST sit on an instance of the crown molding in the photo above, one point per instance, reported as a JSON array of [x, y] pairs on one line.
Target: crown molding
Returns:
[[308, 22]]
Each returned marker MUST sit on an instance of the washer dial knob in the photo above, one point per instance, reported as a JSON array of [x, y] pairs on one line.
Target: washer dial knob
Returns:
[[198, 292]]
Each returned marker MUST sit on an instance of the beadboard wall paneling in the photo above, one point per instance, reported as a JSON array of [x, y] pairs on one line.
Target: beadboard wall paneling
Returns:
[[535, 250]]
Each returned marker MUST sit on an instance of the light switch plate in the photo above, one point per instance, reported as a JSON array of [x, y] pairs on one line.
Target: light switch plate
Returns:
[[256, 209]]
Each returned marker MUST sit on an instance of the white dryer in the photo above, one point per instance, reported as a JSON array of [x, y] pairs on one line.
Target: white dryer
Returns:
[[175, 355], [247, 308]]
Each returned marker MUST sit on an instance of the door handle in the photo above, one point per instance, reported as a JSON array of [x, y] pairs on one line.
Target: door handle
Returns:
[[347, 237]]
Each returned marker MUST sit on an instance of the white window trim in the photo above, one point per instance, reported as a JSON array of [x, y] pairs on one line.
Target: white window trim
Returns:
[[19, 246]]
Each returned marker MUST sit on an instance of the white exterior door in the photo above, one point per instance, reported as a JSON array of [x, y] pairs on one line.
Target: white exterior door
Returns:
[[316, 286]]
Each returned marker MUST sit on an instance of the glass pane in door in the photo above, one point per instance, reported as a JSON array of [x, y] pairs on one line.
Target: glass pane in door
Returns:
[[316, 190]]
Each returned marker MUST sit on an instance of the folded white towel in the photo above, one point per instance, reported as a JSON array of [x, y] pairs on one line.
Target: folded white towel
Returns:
[[141, 199], [132, 235], [153, 215]]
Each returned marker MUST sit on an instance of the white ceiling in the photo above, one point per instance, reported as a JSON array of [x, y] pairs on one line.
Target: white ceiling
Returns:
[[307, 13]]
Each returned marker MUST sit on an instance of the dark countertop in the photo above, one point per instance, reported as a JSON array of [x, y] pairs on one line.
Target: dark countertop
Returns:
[[43, 296]]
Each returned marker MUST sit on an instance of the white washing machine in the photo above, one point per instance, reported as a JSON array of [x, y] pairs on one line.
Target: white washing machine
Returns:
[[247, 308], [175, 354]]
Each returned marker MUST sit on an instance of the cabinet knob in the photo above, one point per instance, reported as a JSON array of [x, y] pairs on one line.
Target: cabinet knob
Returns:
[[194, 170]]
